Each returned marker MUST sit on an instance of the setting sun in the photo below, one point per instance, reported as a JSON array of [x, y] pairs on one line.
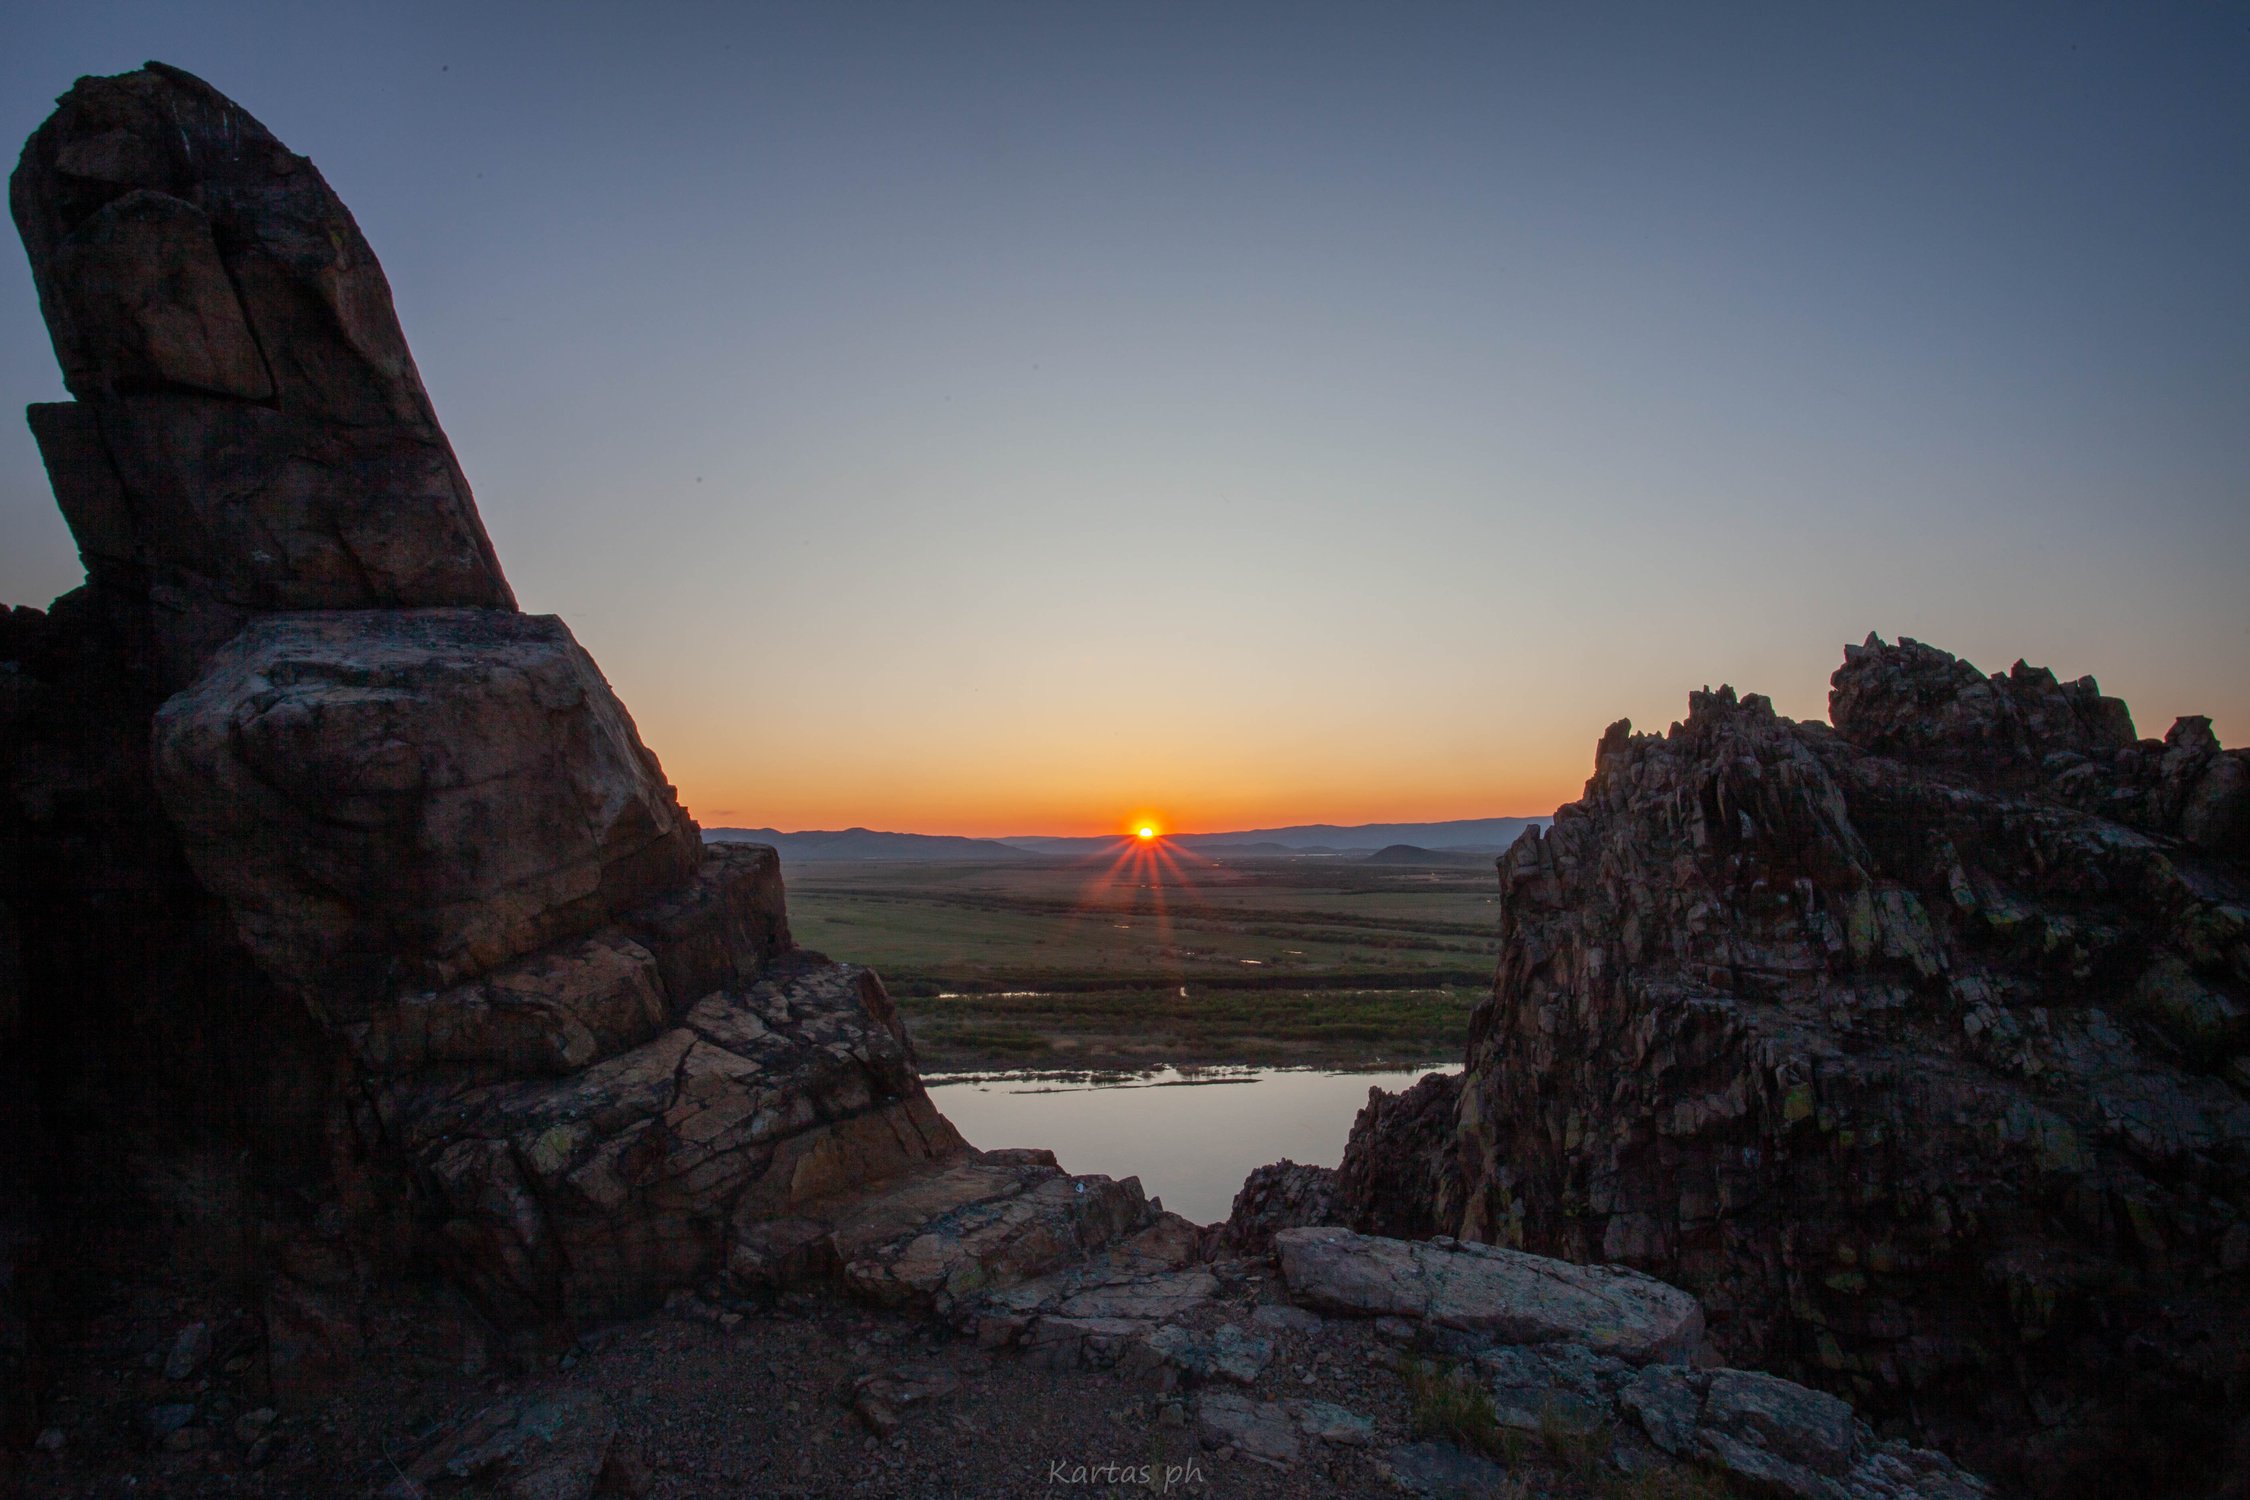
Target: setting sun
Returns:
[[1146, 832]]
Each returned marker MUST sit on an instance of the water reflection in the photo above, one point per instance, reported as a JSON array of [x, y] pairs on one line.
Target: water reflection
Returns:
[[1191, 1137]]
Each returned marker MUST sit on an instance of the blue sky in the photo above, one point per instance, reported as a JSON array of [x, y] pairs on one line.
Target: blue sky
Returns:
[[1013, 418]]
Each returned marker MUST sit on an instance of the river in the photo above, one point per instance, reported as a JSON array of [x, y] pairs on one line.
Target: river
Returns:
[[1190, 1137]]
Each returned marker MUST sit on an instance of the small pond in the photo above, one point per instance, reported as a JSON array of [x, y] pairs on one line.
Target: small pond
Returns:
[[1191, 1137]]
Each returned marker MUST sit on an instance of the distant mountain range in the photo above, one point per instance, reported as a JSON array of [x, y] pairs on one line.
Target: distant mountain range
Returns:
[[1398, 843], [864, 843], [1464, 835]]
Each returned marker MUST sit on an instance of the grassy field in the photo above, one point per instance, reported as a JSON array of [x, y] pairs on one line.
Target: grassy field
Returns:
[[1162, 958]]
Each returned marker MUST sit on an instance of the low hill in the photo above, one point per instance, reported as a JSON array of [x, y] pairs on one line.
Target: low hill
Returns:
[[1410, 854]]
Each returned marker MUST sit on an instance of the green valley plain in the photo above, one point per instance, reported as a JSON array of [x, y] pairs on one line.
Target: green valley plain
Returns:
[[1332, 961]]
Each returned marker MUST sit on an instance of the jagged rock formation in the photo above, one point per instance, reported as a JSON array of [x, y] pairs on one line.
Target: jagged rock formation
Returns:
[[1386, 1191], [1389, 1191], [1280, 1195], [323, 849], [1915, 1046]]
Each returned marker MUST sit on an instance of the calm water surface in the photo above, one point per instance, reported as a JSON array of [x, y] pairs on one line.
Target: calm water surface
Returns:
[[1190, 1137]]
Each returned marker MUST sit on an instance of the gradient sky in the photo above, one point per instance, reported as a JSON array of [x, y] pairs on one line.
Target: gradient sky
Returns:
[[1009, 419]]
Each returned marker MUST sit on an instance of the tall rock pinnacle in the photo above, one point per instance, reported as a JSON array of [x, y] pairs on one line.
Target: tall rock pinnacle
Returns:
[[250, 432]]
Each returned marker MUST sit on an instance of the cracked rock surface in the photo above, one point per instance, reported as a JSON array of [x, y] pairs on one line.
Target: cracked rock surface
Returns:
[[1917, 1046]]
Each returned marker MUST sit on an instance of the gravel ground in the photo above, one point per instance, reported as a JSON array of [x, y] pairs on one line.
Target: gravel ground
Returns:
[[754, 1401]]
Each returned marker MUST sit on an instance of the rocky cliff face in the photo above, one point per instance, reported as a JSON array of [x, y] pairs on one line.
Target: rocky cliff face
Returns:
[[329, 863], [1916, 1046]]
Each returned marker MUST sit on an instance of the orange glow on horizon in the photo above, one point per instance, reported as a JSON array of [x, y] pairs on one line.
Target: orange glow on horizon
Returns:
[[898, 810], [871, 782], [1057, 778]]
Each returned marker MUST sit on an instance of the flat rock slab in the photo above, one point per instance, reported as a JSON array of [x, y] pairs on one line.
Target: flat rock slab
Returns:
[[1500, 1296], [1115, 1307], [866, 1223]]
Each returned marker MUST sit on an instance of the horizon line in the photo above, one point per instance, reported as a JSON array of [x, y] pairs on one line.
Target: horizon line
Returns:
[[1127, 832]]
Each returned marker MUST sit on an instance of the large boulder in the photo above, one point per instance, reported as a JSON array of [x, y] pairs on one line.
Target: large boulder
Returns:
[[1916, 1047], [407, 798]]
